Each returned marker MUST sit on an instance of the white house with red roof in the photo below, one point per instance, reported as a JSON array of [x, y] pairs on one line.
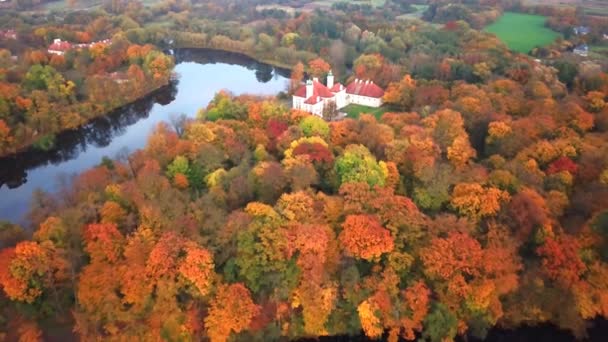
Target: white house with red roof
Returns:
[[8, 34], [314, 96], [59, 47]]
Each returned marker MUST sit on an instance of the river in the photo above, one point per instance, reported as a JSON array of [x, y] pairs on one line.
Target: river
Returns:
[[201, 74]]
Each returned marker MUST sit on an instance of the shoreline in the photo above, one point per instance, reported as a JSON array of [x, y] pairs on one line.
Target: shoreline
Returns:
[[271, 62], [28, 147]]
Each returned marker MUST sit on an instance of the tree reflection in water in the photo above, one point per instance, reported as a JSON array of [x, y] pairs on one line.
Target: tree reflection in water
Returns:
[[203, 73], [69, 144]]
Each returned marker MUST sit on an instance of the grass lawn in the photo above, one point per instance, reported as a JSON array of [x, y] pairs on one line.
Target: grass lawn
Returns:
[[420, 9], [522, 32], [354, 110]]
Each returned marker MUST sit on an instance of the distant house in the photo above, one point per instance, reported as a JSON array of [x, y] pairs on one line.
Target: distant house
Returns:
[[314, 95], [582, 50], [605, 36], [582, 30], [89, 45], [59, 47], [8, 34], [119, 77]]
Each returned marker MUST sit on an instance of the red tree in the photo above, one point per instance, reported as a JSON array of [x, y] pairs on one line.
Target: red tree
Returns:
[[363, 237]]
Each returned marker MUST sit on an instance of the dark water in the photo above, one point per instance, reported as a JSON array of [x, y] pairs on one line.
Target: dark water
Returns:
[[202, 73]]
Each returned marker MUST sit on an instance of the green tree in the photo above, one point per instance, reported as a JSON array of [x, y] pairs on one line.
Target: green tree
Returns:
[[440, 324], [179, 165], [314, 125], [357, 164], [41, 77], [223, 106]]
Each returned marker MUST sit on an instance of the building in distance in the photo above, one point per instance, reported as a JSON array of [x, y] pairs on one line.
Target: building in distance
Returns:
[[314, 96]]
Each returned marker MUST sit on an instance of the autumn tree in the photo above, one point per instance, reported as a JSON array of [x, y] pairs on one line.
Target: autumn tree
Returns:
[[313, 125], [561, 260], [297, 75], [363, 237], [475, 201], [30, 269], [318, 67], [357, 164], [5, 137], [401, 94], [230, 311], [330, 111]]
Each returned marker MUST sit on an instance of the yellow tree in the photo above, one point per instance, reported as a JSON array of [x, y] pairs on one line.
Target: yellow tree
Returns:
[[401, 94], [475, 201]]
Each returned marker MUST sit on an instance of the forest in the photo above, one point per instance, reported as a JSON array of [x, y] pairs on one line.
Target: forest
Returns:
[[478, 200]]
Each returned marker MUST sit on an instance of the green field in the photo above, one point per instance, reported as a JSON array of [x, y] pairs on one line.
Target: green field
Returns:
[[522, 32], [354, 110], [420, 9]]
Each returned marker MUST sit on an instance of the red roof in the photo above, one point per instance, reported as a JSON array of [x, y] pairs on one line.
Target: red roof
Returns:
[[60, 46], [364, 88], [318, 89], [313, 100], [11, 34], [336, 88]]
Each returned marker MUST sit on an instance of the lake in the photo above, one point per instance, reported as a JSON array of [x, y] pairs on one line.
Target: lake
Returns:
[[201, 74]]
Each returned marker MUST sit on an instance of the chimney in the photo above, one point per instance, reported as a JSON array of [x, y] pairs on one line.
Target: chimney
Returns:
[[315, 79], [330, 80], [309, 89], [57, 40]]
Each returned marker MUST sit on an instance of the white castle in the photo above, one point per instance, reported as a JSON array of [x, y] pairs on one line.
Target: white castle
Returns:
[[314, 96]]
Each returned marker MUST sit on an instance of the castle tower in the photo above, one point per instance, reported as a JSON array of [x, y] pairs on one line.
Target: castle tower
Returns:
[[309, 90], [330, 80]]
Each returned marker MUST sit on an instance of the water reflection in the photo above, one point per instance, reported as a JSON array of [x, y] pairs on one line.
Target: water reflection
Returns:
[[263, 72], [97, 133], [201, 74]]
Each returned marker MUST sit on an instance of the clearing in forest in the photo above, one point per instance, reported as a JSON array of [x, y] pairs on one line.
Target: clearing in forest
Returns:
[[354, 111], [522, 32]]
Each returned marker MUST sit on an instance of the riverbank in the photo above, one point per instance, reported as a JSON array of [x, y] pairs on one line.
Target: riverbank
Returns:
[[51, 137], [202, 75], [29, 149], [272, 62]]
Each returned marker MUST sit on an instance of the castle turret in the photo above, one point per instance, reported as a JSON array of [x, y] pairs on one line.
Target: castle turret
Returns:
[[309, 90], [330, 80]]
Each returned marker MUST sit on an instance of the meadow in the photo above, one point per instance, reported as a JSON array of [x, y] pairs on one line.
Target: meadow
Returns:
[[354, 111], [522, 32]]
